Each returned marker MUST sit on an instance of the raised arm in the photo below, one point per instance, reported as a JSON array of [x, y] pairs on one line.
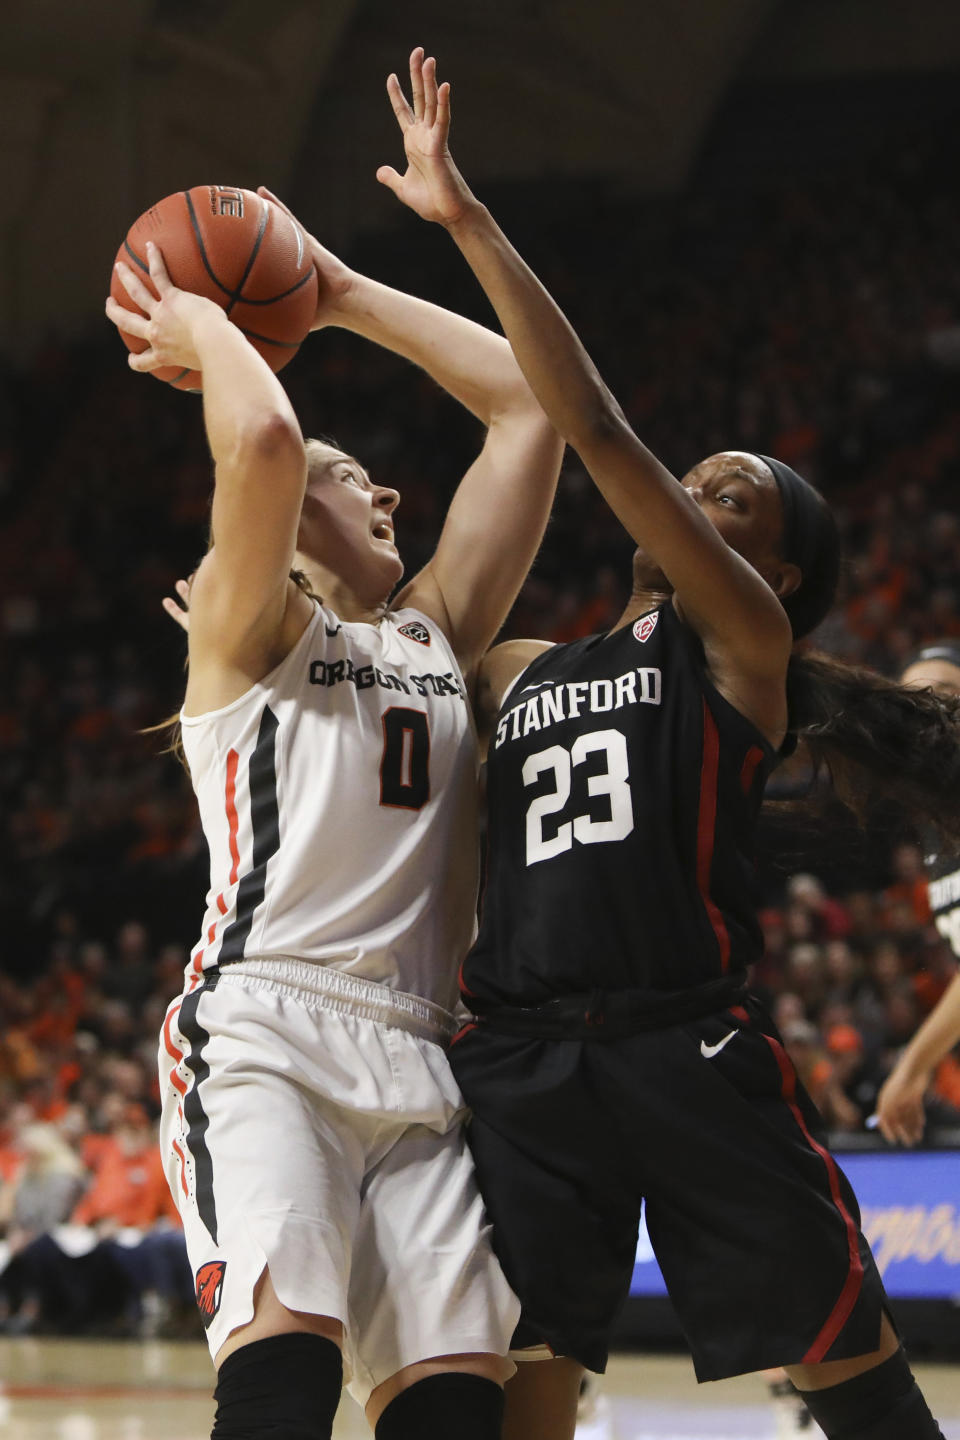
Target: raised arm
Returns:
[[496, 520], [721, 595], [241, 598]]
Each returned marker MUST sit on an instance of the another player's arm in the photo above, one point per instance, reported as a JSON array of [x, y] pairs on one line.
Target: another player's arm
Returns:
[[900, 1102], [722, 596], [241, 594]]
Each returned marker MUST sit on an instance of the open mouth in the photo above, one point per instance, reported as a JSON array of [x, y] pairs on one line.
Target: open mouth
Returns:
[[383, 532]]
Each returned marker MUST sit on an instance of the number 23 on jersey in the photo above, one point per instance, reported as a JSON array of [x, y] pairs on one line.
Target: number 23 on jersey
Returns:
[[611, 783]]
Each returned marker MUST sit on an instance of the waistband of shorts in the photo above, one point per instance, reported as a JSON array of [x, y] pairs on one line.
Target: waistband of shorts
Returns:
[[611, 1014], [347, 994]]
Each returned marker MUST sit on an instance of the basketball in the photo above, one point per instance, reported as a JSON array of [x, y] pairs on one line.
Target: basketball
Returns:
[[236, 248]]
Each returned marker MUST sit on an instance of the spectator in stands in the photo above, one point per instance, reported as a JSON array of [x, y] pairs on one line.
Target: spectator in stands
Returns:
[[44, 1189], [121, 1258]]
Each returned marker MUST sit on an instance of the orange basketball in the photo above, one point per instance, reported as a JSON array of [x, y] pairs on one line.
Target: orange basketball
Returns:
[[238, 249]]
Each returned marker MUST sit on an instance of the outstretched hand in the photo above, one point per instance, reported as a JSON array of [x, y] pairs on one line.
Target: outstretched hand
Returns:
[[432, 185]]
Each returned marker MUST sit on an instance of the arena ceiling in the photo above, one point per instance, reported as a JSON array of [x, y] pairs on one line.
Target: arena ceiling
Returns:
[[107, 105]]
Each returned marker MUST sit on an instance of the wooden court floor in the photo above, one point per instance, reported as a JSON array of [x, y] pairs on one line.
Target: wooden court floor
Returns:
[[159, 1390]]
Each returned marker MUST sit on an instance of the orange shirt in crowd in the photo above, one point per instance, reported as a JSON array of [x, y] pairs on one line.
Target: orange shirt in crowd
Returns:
[[128, 1189], [946, 1081]]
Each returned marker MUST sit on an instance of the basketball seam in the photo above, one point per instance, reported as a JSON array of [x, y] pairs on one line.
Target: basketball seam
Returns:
[[253, 256], [235, 295], [135, 257], [202, 248], [272, 300], [268, 339]]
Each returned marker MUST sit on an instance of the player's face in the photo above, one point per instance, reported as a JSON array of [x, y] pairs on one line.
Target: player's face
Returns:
[[738, 495], [346, 524], [939, 675]]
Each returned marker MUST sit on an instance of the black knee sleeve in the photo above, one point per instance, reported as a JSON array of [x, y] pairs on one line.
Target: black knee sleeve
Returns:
[[884, 1403], [452, 1406], [286, 1387]]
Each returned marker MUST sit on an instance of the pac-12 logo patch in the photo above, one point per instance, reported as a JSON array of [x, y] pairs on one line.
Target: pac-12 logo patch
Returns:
[[645, 626], [415, 631], [210, 1289]]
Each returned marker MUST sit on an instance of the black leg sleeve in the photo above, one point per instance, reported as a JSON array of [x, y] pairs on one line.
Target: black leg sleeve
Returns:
[[452, 1406], [884, 1403], [286, 1387]]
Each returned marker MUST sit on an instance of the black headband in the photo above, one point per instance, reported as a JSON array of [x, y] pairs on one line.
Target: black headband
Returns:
[[811, 542]]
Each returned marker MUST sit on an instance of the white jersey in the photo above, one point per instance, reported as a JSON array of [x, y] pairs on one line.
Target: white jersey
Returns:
[[338, 798]]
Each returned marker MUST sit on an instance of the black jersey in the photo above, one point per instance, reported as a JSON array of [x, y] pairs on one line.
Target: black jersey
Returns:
[[943, 880], [623, 795]]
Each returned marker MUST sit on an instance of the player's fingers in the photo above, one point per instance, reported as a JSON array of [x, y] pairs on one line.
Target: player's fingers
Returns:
[[182, 588], [135, 287], [399, 102], [443, 111], [158, 268], [176, 613], [144, 362], [274, 200], [127, 320], [429, 90], [389, 177], [416, 80]]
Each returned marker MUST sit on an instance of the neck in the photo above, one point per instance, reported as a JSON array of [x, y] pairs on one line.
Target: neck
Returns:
[[642, 599], [335, 593]]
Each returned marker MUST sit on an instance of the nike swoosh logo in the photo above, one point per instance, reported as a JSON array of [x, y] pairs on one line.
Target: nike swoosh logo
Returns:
[[708, 1051], [330, 632], [539, 686]]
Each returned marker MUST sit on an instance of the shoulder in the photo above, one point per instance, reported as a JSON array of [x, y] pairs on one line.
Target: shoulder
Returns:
[[500, 667], [757, 697]]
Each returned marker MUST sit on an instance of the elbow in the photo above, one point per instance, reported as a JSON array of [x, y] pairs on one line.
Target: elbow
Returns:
[[270, 441], [601, 426], [273, 435]]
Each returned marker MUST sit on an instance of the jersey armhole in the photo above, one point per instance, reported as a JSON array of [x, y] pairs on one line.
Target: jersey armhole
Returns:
[[753, 735]]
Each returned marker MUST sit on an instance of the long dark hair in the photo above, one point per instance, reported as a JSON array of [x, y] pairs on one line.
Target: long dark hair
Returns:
[[878, 741], [875, 740]]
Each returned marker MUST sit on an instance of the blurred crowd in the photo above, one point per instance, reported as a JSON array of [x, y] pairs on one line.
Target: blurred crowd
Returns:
[[828, 334]]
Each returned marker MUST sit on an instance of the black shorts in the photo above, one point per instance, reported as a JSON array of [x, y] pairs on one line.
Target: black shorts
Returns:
[[755, 1227]]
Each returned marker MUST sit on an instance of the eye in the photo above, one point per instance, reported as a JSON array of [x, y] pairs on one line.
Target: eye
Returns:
[[727, 499]]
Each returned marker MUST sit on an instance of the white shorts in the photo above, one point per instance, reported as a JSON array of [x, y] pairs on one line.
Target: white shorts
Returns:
[[311, 1124]]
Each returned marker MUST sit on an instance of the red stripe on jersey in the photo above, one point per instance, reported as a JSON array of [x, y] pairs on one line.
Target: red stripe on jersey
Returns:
[[470, 1025], [233, 822], [175, 1055], [183, 1168], [751, 760], [233, 825], [706, 829], [841, 1311]]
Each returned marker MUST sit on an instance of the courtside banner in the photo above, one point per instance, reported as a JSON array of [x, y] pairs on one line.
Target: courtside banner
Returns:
[[910, 1204]]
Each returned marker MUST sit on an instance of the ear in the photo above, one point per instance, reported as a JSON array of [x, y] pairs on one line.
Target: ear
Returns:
[[785, 579]]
